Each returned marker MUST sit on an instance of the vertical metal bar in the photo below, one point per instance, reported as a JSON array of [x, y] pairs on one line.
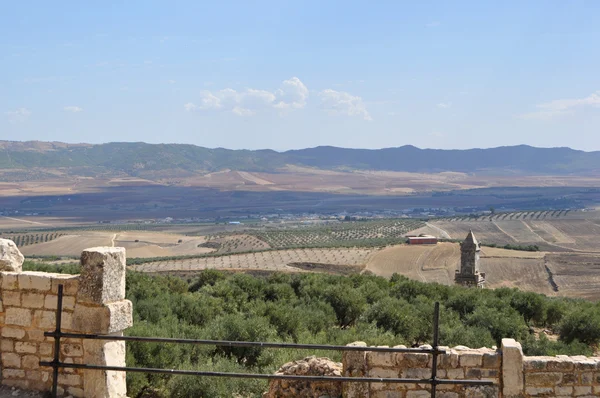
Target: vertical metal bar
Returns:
[[57, 336], [436, 324]]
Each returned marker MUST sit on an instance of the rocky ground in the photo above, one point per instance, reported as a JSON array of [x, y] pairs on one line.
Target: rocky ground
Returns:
[[10, 392]]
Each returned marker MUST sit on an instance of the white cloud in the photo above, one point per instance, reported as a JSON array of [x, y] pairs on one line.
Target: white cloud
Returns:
[[549, 110], [171, 81], [73, 109], [292, 94], [18, 115], [444, 105], [339, 102]]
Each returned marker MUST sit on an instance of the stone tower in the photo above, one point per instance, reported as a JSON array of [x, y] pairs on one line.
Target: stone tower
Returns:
[[469, 274]]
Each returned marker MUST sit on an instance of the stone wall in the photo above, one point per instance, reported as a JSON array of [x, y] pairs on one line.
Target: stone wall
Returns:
[[459, 363], [93, 302], [513, 374]]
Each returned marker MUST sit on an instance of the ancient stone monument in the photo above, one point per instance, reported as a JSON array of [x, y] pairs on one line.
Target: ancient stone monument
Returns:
[[469, 274]]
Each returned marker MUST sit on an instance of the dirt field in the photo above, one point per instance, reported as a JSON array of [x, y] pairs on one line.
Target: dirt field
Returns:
[[575, 274], [438, 263], [275, 260], [149, 244], [427, 263], [558, 235], [485, 231]]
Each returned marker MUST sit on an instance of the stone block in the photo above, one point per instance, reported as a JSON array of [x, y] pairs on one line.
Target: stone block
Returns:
[[471, 359], [30, 362], [25, 347], [12, 333], [11, 360], [13, 373], [540, 391], [38, 281], [32, 300], [380, 359], [70, 284], [579, 391], [383, 373], [101, 383], [69, 380], [36, 335], [11, 258], [72, 349], [18, 316], [355, 365], [546, 379], [491, 360], [512, 368], [559, 364], [455, 374], [46, 349], [417, 373], [45, 319], [10, 280], [7, 345], [416, 360], [11, 298], [75, 392], [418, 394], [567, 391], [110, 318], [449, 360], [102, 278]]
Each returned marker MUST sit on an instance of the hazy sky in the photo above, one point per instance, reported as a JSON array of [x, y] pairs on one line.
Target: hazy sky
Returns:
[[291, 74]]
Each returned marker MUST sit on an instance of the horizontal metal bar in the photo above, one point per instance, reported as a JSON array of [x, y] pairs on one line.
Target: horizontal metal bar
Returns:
[[266, 376], [244, 343]]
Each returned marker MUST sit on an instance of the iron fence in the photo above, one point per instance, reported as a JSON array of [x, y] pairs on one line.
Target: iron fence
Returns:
[[433, 381]]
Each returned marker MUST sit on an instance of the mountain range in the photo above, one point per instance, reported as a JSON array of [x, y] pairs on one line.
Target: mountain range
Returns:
[[142, 159]]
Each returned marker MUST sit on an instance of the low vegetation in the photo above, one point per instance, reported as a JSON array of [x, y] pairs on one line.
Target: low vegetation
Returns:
[[317, 308]]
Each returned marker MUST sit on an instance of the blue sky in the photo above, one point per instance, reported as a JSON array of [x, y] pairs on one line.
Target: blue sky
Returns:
[[293, 74]]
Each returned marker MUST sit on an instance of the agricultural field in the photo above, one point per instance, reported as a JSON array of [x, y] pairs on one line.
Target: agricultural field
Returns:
[[576, 274], [345, 234], [273, 260], [553, 234], [25, 239], [139, 244]]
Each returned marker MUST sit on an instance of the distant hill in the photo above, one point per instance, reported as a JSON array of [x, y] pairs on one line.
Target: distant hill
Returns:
[[141, 159]]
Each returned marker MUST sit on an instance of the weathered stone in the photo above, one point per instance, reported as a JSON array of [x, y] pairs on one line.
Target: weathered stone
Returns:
[[355, 365], [512, 368], [11, 360], [104, 383], [7, 345], [31, 362], [11, 258], [540, 391], [418, 394], [25, 347], [12, 333], [18, 316], [102, 278], [32, 300], [543, 379], [582, 390], [40, 281], [11, 298], [70, 284], [10, 280], [491, 360], [110, 318], [471, 359]]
